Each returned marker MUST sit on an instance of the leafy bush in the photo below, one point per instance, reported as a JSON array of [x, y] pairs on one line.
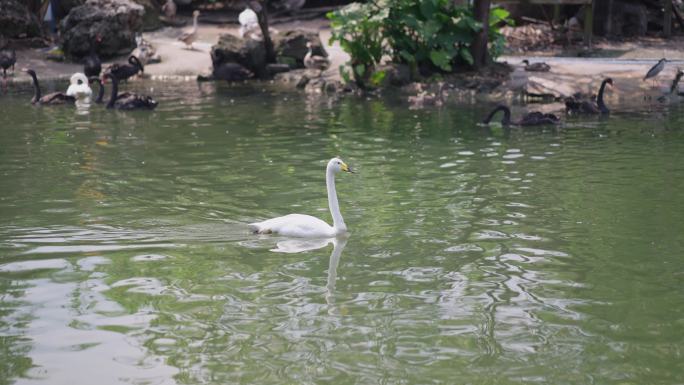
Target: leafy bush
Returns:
[[358, 28], [497, 18], [432, 33]]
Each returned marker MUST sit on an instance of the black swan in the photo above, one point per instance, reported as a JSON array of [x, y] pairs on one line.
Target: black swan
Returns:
[[92, 64], [100, 92], [128, 101], [586, 107], [536, 67], [125, 71], [7, 59], [531, 119], [53, 98]]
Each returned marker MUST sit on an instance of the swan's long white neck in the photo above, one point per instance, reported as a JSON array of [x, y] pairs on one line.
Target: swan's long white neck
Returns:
[[338, 222], [194, 23]]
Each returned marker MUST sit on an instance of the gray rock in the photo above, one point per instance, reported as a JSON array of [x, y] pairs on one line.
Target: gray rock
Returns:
[[16, 21], [65, 6], [315, 86], [231, 72], [395, 74], [248, 53], [151, 19], [291, 46], [116, 21], [276, 68]]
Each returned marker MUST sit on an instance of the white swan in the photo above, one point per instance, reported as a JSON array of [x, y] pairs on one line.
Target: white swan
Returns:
[[248, 21], [306, 226], [79, 88], [189, 37]]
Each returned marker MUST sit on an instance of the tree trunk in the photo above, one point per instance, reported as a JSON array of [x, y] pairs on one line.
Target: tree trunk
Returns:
[[262, 15], [479, 47]]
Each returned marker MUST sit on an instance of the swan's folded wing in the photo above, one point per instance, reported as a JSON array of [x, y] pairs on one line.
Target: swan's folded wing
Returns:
[[294, 225]]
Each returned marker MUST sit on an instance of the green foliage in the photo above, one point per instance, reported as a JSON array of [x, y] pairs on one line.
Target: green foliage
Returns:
[[497, 18], [358, 29], [432, 33], [438, 33]]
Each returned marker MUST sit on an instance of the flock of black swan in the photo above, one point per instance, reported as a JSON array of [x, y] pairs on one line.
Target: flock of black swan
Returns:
[[92, 67], [79, 89], [573, 106]]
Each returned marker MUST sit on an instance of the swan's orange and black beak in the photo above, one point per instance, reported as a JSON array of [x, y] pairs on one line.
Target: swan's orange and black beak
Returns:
[[346, 168]]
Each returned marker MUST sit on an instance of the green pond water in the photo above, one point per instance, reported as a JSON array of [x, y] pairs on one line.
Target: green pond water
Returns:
[[476, 256]]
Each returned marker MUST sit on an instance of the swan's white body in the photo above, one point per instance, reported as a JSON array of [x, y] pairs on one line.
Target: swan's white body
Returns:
[[248, 21], [306, 226], [79, 88]]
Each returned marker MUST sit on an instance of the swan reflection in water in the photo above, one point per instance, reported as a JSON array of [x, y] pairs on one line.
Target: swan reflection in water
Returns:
[[301, 245]]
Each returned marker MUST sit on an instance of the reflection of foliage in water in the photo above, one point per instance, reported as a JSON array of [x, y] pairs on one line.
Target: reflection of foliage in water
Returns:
[[14, 345]]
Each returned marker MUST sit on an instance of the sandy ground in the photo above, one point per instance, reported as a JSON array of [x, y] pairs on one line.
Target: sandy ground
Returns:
[[570, 75], [177, 62], [627, 64]]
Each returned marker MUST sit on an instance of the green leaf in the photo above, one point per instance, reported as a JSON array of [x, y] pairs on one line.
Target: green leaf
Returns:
[[441, 59], [427, 8], [407, 56], [465, 54], [430, 29], [377, 77], [473, 24], [498, 14], [344, 73], [360, 69]]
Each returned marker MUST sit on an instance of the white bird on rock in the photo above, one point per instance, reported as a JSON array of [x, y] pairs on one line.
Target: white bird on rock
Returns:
[[249, 22]]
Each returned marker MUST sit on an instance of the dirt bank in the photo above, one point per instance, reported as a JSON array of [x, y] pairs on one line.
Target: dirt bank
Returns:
[[627, 64]]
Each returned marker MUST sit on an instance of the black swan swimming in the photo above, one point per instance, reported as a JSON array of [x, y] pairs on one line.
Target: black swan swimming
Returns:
[[125, 71], [128, 100], [577, 107], [100, 92], [53, 98], [531, 119]]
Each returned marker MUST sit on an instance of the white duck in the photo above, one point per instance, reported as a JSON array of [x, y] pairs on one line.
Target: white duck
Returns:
[[78, 88], [189, 37], [306, 226], [249, 22], [315, 61]]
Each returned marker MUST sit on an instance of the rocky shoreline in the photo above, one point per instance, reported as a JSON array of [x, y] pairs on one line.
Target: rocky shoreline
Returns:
[[220, 55]]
